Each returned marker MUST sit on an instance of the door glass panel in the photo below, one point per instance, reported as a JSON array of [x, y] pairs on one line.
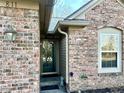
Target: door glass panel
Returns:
[[48, 57]]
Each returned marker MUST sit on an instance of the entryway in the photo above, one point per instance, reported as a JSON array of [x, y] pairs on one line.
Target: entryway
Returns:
[[52, 73]]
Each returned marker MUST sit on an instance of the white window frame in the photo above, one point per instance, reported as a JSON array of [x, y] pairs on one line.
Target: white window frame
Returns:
[[121, 3], [110, 31]]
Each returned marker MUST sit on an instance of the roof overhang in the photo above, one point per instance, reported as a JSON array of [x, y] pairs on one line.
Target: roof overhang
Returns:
[[85, 8], [71, 23], [88, 6], [45, 11]]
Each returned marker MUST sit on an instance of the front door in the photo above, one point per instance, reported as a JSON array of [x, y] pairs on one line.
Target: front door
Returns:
[[48, 57]]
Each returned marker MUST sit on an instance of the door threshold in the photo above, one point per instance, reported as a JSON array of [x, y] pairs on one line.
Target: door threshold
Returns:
[[49, 73], [53, 74]]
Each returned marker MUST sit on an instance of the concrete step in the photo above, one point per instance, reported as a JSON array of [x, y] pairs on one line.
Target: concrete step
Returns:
[[53, 91], [50, 83]]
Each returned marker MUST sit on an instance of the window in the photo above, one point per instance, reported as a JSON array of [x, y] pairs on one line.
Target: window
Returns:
[[109, 50]]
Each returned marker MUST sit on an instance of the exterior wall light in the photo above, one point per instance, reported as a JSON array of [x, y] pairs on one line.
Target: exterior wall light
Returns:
[[10, 33]]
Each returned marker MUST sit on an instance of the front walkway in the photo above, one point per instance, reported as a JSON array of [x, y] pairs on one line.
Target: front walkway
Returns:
[[51, 85]]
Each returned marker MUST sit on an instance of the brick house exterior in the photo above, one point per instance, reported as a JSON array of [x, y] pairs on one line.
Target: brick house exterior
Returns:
[[83, 54], [20, 60]]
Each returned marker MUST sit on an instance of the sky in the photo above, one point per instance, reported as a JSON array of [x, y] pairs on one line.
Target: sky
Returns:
[[64, 8]]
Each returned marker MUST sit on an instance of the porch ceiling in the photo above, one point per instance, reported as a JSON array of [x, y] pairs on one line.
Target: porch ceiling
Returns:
[[45, 11]]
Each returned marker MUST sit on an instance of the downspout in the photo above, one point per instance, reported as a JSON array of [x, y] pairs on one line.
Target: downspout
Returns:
[[67, 55]]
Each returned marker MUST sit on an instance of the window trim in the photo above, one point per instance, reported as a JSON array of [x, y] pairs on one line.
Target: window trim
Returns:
[[121, 3], [107, 31]]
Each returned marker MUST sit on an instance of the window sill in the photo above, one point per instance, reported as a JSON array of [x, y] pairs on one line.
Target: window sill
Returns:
[[110, 74]]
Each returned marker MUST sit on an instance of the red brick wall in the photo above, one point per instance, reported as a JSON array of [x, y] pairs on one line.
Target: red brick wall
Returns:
[[19, 60], [83, 55]]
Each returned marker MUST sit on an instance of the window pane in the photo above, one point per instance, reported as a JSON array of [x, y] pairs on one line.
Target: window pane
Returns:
[[109, 59], [109, 42]]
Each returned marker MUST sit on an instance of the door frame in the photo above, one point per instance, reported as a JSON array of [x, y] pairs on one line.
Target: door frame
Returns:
[[56, 42]]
